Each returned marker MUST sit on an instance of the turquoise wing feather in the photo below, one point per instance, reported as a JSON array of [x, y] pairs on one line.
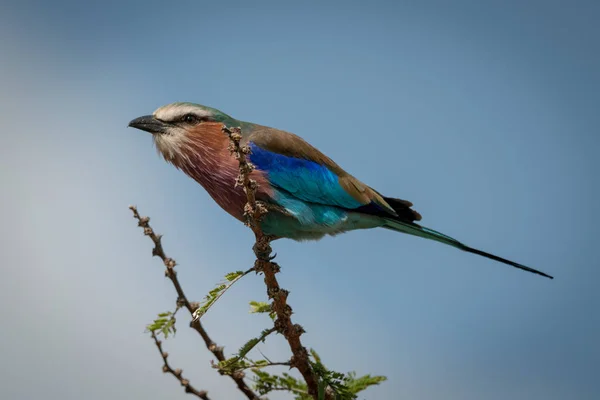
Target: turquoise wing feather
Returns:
[[304, 179]]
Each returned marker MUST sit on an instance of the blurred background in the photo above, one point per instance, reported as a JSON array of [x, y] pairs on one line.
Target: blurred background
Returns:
[[483, 114]]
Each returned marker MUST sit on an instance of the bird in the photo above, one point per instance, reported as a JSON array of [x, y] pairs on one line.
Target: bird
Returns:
[[308, 195]]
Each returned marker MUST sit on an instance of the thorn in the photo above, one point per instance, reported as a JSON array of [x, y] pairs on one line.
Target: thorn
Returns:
[[238, 374], [284, 293], [276, 268], [299, 329], [194, 305]]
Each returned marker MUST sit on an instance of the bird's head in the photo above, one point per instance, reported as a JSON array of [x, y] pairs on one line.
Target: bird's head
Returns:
[[181, 128]]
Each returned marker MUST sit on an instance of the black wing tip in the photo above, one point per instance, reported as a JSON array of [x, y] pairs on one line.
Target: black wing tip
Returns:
[[402, 210]]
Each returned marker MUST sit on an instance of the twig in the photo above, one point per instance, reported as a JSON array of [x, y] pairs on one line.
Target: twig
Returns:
[[287, 389], [254, 212], [170, 273], [177, 372], [269, 364]]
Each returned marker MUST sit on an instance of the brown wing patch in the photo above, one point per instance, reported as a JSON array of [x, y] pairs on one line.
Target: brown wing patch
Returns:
[[291, 145], [354, 188], [363, 193]]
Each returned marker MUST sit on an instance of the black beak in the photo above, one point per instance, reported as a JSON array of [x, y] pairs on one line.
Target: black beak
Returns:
[[149, 124]]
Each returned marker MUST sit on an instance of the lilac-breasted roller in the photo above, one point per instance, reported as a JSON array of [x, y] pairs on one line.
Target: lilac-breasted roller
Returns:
[[307, 194]]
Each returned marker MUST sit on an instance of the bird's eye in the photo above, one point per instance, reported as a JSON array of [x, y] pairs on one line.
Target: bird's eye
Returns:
[[190, 119]]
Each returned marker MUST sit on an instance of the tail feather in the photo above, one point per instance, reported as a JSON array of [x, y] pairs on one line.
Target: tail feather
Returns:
[[421, 231]]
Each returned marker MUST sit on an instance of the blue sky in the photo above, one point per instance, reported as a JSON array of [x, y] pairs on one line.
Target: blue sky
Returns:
[[483, 114]]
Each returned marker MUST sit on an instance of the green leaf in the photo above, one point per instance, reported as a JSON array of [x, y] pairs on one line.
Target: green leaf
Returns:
[[217, 292], [165, 324], [250, 344], [359, 384], [265, 383], [345, 386], [230, 365], [259, 307], [233, 275], [314, 354], [262, 307], [321, 394], [260, 363], [237, 362]]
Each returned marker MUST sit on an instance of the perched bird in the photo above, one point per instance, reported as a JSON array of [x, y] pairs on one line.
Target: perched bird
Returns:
[[307, 194]]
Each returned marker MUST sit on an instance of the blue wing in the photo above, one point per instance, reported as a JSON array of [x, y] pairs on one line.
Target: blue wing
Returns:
[[304, 179]]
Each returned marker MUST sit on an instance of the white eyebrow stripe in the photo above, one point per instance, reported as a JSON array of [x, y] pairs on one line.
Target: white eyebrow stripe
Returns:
[[174, 111]]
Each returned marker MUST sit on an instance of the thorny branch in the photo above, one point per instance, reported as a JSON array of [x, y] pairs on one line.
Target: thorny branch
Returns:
[[177, 372], [254, 211], [144, 222]]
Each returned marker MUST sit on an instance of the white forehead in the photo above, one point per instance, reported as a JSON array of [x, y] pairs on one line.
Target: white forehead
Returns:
[[173, 111]]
